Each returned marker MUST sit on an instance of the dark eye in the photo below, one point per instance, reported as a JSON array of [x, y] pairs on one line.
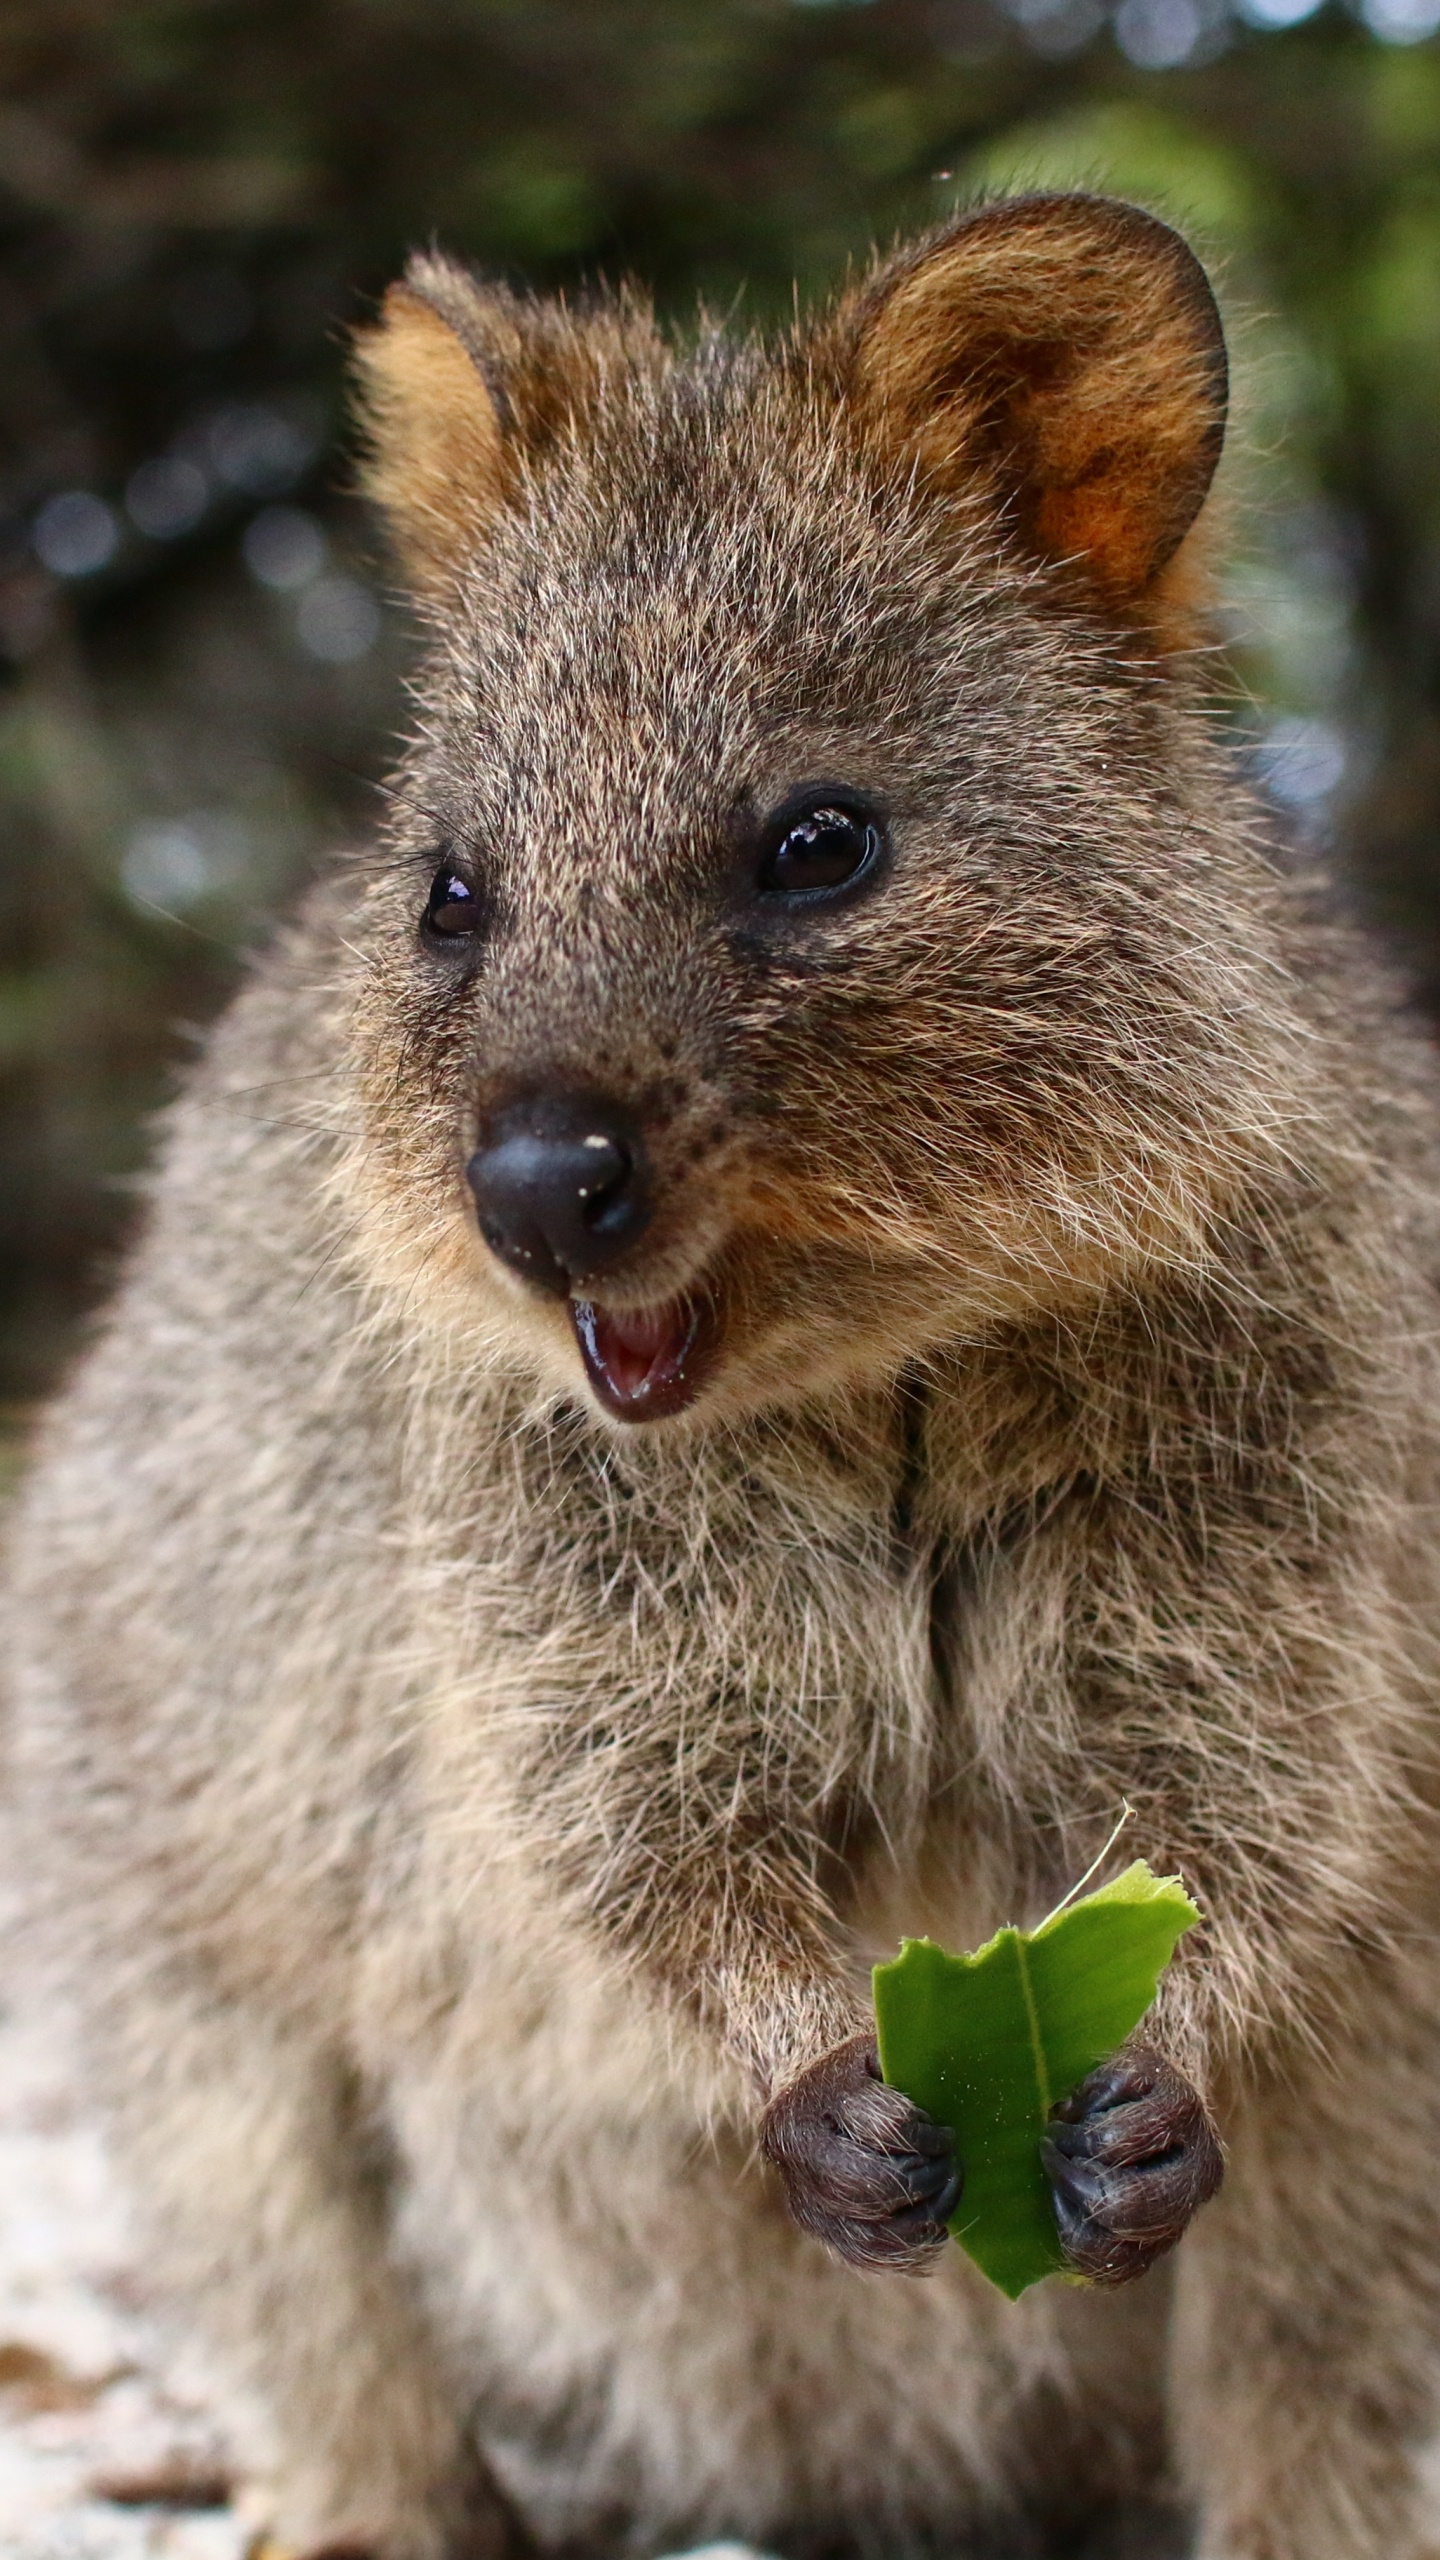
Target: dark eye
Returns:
[[824, 845], [452, 908]]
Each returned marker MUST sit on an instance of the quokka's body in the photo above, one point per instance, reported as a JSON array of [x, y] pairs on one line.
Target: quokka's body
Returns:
[[459, 1811]]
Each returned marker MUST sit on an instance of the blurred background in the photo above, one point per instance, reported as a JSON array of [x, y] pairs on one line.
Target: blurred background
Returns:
[[200, 669]]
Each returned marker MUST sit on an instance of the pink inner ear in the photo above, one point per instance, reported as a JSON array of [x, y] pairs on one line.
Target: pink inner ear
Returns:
[[1066, 351]]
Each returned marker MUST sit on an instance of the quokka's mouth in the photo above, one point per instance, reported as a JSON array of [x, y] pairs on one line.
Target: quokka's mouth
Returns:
[[647, 1362]]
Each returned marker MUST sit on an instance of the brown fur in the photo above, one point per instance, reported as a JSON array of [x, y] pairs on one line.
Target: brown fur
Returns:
[[459, 387], [1073, 350], [457, 1815], [439, 464]]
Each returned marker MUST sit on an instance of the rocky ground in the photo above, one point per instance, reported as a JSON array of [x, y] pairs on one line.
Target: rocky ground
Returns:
[[110, 2448]]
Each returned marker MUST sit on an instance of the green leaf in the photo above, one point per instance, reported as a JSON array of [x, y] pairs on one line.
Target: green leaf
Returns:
[[989, 2043]]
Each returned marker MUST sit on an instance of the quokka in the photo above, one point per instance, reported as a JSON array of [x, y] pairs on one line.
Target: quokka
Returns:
[[818, 1268]]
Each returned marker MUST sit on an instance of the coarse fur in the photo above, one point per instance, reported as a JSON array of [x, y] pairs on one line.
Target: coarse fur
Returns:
[[458, 1813]]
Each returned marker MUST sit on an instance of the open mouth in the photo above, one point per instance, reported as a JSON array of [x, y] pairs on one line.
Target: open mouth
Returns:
[[647, 1362]]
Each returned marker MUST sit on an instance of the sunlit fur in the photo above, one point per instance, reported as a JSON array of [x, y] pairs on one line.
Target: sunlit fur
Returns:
[[457, 1810]]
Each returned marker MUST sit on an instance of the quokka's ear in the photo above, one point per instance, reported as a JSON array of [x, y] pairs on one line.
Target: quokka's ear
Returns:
[[435, 448], [461, 383], [1066, 351]]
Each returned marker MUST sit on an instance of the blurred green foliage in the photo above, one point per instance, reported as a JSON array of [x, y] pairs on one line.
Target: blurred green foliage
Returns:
[[199, 197]]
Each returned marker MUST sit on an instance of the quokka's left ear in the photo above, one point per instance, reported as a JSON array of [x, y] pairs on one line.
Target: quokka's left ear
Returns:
[[1064, 351]]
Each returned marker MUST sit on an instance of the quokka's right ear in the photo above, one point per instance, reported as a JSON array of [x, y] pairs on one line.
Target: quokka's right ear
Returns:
[[461, 384]]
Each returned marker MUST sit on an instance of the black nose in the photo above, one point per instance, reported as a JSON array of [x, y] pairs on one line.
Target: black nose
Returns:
[[562, 1189]]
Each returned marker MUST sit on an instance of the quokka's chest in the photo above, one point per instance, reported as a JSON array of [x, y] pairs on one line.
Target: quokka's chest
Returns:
[[773, 1586]]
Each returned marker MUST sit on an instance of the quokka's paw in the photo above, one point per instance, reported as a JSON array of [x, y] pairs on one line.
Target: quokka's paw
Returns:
[[863, 2169], [1129, 2156]]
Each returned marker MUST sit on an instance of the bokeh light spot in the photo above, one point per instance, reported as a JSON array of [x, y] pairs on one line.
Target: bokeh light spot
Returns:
[[284, 547], [1302, 761], [1401, 21], [338, 620], [256, 448], [1158, 35], [1276, 13], [166, 497], [75, 533], [178, 863]]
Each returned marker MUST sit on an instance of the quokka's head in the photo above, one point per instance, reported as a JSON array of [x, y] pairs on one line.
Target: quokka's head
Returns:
[[805, 935]]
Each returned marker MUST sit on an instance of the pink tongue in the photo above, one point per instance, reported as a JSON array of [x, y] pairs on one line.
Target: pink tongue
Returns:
[[629, 1347], [639, 1363]]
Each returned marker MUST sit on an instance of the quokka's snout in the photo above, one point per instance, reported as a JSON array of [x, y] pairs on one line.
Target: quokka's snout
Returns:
[[564, 1192], [573, 1184], [563, 1188]]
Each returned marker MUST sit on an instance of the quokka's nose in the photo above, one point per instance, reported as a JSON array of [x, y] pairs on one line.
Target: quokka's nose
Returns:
[[562, 1189]]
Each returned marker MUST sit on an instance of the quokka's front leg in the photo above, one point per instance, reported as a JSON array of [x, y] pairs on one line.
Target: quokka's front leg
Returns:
[[871, 2175], [737, 1932], [733, 1929], [1131, 2155]]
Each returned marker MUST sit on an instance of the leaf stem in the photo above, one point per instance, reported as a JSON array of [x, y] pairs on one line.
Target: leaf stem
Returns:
[[1126, 1809]]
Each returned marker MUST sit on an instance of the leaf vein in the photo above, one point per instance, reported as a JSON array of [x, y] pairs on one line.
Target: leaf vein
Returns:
[[1032, 2018]]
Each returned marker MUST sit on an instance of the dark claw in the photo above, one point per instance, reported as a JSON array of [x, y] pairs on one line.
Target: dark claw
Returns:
[[1130, 2155], [864, 2170]]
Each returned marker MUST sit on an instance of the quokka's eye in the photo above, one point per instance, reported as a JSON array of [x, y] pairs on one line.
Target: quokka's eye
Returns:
[[818, 846], [452, 909]]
